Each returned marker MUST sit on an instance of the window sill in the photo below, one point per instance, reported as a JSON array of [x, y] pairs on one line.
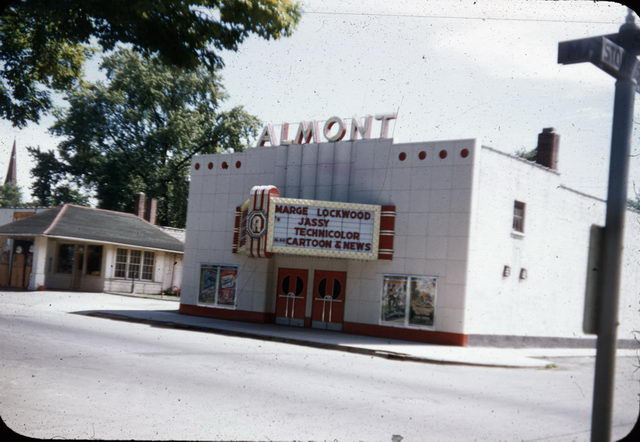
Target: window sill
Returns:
[[220, 306], [119, 278], [517, 235], [408, 326]]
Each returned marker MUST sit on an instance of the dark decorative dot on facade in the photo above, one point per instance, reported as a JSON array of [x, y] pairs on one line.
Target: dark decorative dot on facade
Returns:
[[464, 153], [238, 164], [225, 165], [210, 165], [197, 166], [422, 155], [402, 156], [443, 154]]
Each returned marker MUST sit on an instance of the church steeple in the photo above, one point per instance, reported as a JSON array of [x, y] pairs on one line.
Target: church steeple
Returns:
[[12, 175]]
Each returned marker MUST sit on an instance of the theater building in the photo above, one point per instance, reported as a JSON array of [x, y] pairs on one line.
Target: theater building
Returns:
[[446, 242]]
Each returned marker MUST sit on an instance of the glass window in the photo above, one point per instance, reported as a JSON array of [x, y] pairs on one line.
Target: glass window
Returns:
[[94, 260], [218, 285], [147, 266], [134, 264], [65, 258], [408, 300], [79, 258], [518, 216], [121, 263]]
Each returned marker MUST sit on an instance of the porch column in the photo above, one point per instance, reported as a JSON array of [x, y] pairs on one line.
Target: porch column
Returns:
[[38, 266]]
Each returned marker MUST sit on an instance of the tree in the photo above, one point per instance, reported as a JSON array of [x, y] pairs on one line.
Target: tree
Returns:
[[44, 44], [49, 186], [137, 132], [10, 195], [529, 155]]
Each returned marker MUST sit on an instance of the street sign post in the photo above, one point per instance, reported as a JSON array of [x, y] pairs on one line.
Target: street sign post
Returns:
[[616, 55], [593, 287]]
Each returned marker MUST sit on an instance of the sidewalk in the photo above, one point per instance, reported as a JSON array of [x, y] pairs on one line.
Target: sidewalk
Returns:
[[380, 347]]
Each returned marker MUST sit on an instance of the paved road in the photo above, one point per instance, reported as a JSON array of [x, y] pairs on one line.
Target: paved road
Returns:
[[72, 376]]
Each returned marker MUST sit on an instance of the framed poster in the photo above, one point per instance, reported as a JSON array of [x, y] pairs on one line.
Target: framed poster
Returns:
[[408, 300], [422, 301], [208, 284], [394, 296], [227, 290], [218, 285]]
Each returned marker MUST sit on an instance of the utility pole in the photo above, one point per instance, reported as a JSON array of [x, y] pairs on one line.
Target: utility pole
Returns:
[[616, 55]]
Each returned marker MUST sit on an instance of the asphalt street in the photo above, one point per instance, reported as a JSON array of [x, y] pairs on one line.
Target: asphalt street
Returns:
[[65, 375]]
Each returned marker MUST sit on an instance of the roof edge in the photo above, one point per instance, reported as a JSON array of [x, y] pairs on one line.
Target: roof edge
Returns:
[[55, 220], [522, 160], [132, 215], [110, 242]]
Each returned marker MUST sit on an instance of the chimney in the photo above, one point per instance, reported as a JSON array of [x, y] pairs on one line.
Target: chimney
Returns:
[[547, 150], [139, 205], [150, 210]]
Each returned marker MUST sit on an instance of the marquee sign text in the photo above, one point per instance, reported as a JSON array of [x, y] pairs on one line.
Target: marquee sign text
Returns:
[[324, 228]]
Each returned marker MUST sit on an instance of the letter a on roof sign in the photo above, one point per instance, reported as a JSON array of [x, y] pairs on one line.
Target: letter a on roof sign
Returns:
[[267, 136]]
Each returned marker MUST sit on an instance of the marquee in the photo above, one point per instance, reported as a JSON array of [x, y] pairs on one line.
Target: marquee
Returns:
[[323, 228], [266, 224]]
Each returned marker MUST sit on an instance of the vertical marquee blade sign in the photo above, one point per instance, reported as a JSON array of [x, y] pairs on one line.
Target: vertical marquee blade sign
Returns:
[[250, 228]]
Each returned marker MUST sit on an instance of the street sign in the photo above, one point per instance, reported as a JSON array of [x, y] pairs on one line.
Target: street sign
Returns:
[[611, 56], [577, 51], [601, 51]]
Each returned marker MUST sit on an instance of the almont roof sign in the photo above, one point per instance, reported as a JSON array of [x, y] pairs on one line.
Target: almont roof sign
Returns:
[[334, 129]]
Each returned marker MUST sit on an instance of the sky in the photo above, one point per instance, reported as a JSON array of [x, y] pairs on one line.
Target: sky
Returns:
[[450, 69]]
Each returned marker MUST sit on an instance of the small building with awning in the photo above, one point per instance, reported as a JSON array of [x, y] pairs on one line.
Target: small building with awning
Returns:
[[81, 248]]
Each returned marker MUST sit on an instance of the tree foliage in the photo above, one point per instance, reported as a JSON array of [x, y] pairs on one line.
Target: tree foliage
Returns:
[[137, 132], [43, 43], [529, 155], [49, 186], [10, 195]]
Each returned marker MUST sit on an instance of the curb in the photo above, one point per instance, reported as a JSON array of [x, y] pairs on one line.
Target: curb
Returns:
[[302, 342]]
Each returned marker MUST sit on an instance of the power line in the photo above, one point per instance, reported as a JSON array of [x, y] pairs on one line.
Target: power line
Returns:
[[458, 17]]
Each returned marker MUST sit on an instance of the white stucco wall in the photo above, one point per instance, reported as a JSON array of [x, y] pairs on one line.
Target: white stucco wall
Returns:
[[169, 270], [553, 249]]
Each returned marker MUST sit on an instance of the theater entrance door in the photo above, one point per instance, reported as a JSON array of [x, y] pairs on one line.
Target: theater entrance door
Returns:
[[291, 296], [329, 290]]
